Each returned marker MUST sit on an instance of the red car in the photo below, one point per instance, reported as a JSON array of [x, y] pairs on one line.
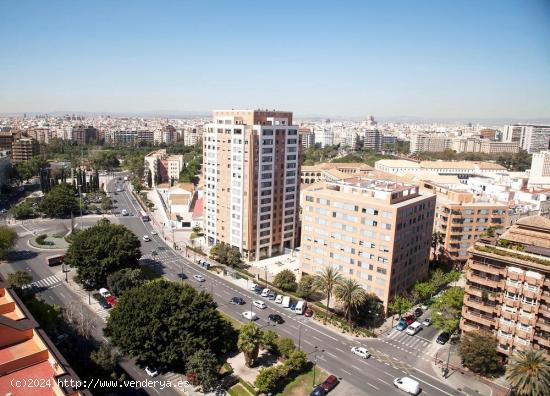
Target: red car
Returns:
[[308, 313], [111, 300], [410, 319], [329, 383]]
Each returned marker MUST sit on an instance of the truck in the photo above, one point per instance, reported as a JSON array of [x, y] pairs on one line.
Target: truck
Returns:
[[55, 260], [286, 302], [300, 307]]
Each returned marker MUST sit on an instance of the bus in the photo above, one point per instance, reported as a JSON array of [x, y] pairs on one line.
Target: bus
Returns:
[[144, 216], [55, 260]]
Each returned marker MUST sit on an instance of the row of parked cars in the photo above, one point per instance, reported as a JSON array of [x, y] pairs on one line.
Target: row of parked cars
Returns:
[[298, 307], [412, 326]]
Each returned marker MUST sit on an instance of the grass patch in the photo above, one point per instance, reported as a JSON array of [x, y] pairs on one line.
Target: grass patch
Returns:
[[234, 322], [41, 240], [302, 384], [239, 390]]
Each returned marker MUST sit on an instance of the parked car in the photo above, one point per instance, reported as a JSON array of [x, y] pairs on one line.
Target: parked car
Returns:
[[361, 351], [154, 232], [279, 299], [330, 383], [410, 319], [443, 338], [104, 292], [408, 385], [401, 325], [427, 322], [249, 315], [259, 304], [271, 296], [151, 372], [252, 287], [276, 318], [258, 289], [146, 238], [292, 306], [308, 313], [102, 301], [418, 312], [265, 292], [199, 278], [111, 300], [237, 301], [318, 391], [414, 328]]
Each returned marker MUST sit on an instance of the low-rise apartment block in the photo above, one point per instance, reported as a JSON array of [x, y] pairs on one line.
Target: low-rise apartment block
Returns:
[[463, 218], [331, 171], [377, 232], [507, 288], [24, 149], [163, 167]]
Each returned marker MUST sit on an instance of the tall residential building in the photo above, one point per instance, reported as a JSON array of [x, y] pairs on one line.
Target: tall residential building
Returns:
[[531, 138], [6, 140], [507, 288], [24, 149], [307, 138], [251, 170], [324, 135], [463, 218], [539, 175], [377, 232], [122, 138], [84, 134], [429, 143], [372, 139]]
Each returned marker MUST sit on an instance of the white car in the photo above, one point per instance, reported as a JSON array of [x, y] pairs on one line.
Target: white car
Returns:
[[259, 304], [413, 328], [199, 278], [104, 292], [426, 322], [361, 351], [265, 292], [153, 232], [151, 372], [408, 385], [249, 315], [119, 190], [146, 238], [252, 287]]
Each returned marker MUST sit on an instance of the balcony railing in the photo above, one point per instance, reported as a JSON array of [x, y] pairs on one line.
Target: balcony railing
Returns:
[[487, 320], [543, 325], [542, 340], [479, 304], [485, 268], [483, 280]]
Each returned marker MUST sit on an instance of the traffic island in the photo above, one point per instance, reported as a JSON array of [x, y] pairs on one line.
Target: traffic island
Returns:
[[55, 241]]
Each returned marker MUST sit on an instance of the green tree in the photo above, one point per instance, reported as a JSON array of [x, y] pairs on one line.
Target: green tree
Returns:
[[268, 378], [325, 283], [285, 280], [479, 352], [19, 278], [400, 304], [125, 279], [285, 346], [269, 341], [447, 309], [106, 203], [163, 323], [351, 295], [306, 286], [102, 250], [233, 257], [106, 357], [296, 361], [8, 237], [60, 202], [23, 211], [438, 278], [423, 290], [203, 365], [48, 316], [528, 373], [371, 312], [250, 338]]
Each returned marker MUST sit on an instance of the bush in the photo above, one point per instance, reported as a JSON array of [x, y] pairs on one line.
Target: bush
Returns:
[[285, 280], [268, 378], [285, 346], [41, 240]]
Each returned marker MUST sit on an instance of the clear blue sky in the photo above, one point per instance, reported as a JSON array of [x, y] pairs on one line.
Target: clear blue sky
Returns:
[[446, 58]]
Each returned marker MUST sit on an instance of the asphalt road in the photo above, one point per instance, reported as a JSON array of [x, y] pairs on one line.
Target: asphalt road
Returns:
[[372, 376]]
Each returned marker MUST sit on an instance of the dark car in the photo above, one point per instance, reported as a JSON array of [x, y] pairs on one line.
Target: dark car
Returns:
[[237, 301], [292, 306], [276, 318], [271, 296], [257, 289], [418, 312], [402, 324], [102, 301], [443, 338], [318, 391], [329, 383]]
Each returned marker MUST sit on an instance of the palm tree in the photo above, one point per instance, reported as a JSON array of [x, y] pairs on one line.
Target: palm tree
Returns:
[[325, 283], [528, 373], [352, 295], [250, 338]]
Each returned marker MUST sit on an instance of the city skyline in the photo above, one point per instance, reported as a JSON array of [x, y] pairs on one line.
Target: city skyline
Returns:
[[404, 60]]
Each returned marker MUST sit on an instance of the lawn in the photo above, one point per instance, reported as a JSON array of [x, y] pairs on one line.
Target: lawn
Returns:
[[234, 322], [239, 390], [302, 385]]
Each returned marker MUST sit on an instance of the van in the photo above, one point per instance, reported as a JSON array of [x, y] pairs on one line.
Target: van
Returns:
[[286, 302], [408, 385], [279, 299], [300, 307], [414, 328]]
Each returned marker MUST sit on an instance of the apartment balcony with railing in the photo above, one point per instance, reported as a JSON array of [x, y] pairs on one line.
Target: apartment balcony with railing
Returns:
[[527, 333], [480, 304], [469, 326], [508, 313], [544, 309], [543, 324], [478, 317], [542, 338], [529, 306], [474, 289], [481, 279], [486, 268]]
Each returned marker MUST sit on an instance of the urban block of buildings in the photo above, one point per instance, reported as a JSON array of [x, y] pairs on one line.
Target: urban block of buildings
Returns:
[[531, 138], [163, 167], [377, 232], [251, 165], [507, 289]]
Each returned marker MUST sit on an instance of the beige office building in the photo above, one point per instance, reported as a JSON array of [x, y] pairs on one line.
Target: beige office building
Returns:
[[251, 168], [24, 149], [377, 232]]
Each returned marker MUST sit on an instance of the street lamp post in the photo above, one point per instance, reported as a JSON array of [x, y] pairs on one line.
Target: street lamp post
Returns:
[[265, 268], [299, 336]]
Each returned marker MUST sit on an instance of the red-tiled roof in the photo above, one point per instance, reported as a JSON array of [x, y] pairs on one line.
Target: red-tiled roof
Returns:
[[198, 208], [41, 373]]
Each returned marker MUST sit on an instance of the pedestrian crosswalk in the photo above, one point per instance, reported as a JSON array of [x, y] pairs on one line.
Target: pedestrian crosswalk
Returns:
[[416, 345], [45, 283]]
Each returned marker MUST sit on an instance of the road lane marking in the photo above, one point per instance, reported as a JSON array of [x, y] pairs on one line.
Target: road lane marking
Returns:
[[368, 383], [429, 384], [331, 354], [355, 367], [345, 371]]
